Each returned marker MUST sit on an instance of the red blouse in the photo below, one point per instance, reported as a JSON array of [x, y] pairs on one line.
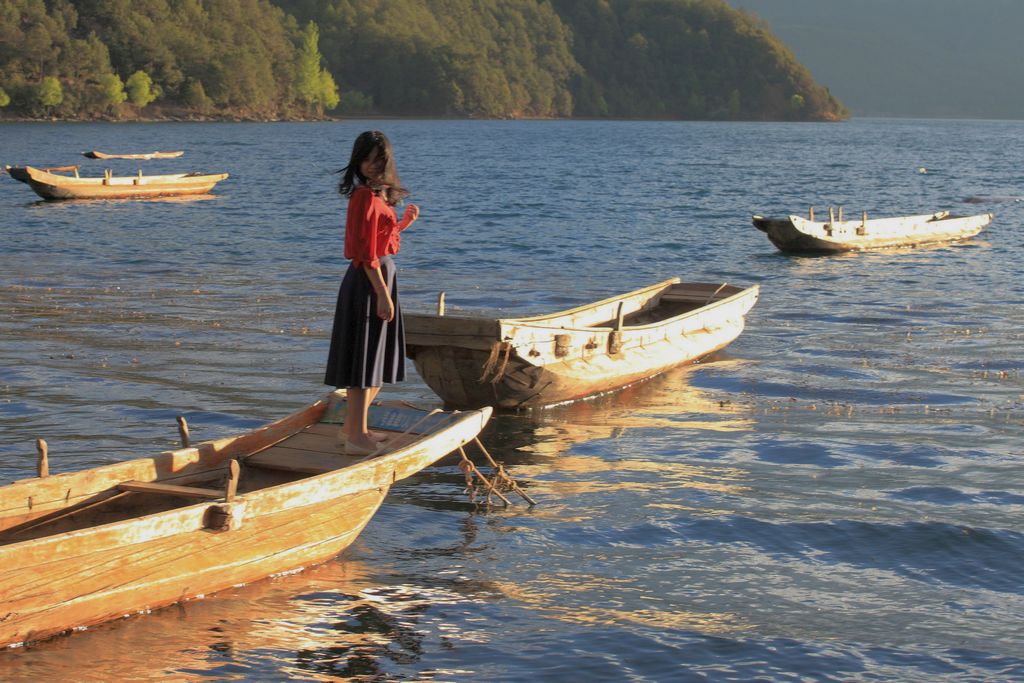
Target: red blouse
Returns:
[[371, 229]]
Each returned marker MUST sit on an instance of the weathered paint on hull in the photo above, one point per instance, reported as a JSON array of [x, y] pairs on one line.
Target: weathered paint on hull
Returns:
[[456, 374], [48, 598], [58, 574], [788, 237]]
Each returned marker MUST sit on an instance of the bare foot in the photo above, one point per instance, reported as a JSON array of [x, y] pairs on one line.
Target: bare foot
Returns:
[[363, 442]]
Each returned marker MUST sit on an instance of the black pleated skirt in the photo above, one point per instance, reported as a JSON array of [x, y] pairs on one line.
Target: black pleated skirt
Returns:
[[365, 350]]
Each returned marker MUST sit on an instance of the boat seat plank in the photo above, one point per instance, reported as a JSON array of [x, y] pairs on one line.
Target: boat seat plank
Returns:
[[303, 462], [313, 442], [169, 489]]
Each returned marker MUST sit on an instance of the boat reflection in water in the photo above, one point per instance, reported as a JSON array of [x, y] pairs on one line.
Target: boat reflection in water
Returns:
[[335, 621], [622, 466]]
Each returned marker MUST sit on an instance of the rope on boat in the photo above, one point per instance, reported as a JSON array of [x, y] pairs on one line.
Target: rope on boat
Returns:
[[499, 350], [502, 475], [470, 471], [499, 483]]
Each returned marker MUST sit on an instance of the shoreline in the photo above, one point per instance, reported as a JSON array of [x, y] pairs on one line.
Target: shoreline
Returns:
[[370, 116]]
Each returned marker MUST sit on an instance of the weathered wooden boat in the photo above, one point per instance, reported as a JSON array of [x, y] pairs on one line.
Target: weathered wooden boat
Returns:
[[151, 155], [798, 234], [82, 548], [530, 362], [49, 185]]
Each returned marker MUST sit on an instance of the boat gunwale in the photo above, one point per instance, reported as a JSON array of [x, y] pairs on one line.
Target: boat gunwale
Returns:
[[743, 292], [664, 322], [934, 219], [651, 289]]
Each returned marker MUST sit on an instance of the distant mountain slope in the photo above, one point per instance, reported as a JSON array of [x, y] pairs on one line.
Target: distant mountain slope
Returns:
[[927, 58], [263, 59], [674, 59]]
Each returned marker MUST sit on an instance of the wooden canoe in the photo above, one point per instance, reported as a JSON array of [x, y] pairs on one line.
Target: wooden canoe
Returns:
[[151, 155], [55, 186], [85, 547], [798, 234], [516, 363]]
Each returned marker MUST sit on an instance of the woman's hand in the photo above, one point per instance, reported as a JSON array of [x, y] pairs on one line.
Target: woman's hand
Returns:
[[385, 308], [412, 212]]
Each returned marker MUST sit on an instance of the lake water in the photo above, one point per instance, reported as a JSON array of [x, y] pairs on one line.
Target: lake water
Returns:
[[835, 497]]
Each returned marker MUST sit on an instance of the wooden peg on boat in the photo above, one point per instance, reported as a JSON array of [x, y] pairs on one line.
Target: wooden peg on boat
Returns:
[[810, 214], [440, 304], [138, 178], [615, 338], [232, 488], [563, 342], [840, 214], [183, 431], [43, 467], [831, 215]]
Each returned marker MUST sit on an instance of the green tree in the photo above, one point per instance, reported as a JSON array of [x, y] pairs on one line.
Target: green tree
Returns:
[[111, 90], [49, 92], [314, 85], [5, 99], [195, 97], [139, 87], [308, 81], [329, 96], [796, 105]]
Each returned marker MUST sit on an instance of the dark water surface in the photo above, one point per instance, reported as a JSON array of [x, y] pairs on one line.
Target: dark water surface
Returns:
[[837, 497]]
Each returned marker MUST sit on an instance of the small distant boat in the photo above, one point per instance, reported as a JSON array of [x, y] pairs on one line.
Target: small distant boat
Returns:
[[49, 185], [152, 155], [81, 548], [516, 363], [807, 235]]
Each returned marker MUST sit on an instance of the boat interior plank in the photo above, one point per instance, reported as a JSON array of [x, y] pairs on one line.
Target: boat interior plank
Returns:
[[170, 489]]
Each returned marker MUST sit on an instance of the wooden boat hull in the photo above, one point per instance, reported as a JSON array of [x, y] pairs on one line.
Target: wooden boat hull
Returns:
[[796, 234], [79, 577], [54, 186], [532, 362]]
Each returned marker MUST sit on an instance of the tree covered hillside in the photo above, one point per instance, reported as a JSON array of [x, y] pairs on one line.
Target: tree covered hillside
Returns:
[[686, 59], [95, 58], [696, 59]]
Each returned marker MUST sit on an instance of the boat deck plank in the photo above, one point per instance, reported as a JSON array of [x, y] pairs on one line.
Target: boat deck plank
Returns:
[[314, 450]]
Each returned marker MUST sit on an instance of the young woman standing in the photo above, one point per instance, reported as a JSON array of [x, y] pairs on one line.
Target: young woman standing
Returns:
[[368, 340]]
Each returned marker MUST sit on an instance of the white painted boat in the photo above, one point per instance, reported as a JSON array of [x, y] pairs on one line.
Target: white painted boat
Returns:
[[798, 234], [513, 363]]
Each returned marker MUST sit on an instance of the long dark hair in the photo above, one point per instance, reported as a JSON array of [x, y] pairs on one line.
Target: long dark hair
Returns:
[[387, 185]]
